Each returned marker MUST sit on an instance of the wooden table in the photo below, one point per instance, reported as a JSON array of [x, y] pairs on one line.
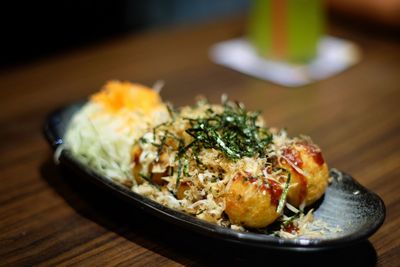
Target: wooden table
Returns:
[[47, 217]]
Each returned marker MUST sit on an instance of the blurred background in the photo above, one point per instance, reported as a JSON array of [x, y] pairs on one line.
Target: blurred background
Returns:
[[34, 29]]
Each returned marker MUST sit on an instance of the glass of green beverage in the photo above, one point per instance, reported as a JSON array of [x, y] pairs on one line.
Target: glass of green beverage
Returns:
[[287, 30]]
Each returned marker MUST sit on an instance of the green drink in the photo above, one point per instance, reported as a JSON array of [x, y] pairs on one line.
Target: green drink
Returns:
[[286, 29]]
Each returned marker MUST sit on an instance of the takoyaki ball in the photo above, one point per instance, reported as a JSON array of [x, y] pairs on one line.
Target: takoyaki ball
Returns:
[[250, 204], [137, 167], [309, 172], [155, 176]]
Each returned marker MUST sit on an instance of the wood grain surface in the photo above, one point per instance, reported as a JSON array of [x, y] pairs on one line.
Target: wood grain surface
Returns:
[[49, 217]]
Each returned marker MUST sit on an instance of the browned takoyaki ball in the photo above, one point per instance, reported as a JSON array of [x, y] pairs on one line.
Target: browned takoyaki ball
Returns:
[[309, 172], [251, 204]]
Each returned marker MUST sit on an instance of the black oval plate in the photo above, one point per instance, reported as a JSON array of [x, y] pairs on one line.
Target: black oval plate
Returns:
[[357, 211]]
